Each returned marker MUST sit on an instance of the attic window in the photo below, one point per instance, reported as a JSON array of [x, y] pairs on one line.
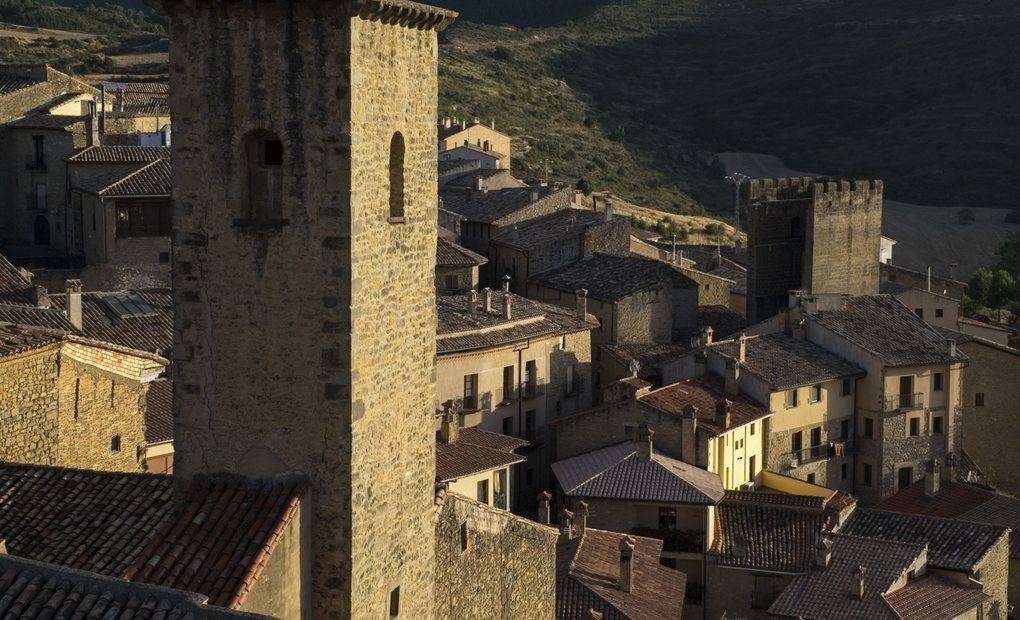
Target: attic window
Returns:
[[128, 305]]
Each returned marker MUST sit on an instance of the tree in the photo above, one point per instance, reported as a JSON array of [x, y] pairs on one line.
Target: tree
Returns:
[[980, 285], [584, 186], [1001, 291], [1009, 254], [965, 216]]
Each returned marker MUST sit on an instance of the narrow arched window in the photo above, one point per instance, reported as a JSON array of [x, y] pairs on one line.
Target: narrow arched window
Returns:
[[397, 178], [264, 162], [42, 230]]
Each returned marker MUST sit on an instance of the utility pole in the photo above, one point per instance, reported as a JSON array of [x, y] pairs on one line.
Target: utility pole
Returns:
[[737, 178]]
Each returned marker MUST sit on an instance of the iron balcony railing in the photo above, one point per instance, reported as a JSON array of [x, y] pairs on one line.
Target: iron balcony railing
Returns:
[[822, 451], [899, 402]]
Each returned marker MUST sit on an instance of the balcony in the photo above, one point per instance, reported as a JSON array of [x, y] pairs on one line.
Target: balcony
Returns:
[[905, 402], [820, 452], [531, 390]]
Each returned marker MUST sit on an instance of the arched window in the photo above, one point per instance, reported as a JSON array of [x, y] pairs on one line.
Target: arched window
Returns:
[[397, 178], [795, 226], [264, 161], [42, 230]]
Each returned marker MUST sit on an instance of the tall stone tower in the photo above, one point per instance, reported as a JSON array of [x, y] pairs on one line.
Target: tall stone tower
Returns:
[[303, 256], [811, 234]]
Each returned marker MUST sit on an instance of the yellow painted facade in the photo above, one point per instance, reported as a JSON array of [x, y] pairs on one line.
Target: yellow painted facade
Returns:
[[737, 456]]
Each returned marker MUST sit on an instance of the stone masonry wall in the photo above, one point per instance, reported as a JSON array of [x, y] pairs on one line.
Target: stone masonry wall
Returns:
[[992, 372], [844, 231], [826, 468], [28, 407], [993, 573], [505, 569], [608, 425]]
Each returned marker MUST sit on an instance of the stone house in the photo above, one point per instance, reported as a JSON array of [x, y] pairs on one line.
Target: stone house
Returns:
[[456, 268], [810, 393], [125, 217], [28, 87], [984, 329], [135, 113], [923, 281], [932, 307], [543, 243], [474, 463], [658, 364], [514, 365], [70, 401], [481, 138], [608, 574], [486, 160]]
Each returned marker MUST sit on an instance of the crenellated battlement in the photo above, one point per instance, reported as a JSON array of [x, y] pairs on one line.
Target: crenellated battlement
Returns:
[[804, 188]]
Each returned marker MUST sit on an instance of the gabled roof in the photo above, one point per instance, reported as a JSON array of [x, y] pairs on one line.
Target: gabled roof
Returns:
[[476, 149], [46, 121], [824, 594], [159, 413], [152, 333], [46, 318], [13, 83], [150, 179], [956, 500], [933, 598], [450, 254], [549, 229], [706, 394], [30, 589], [491, 205], [783, 362], [120, 154], [475, 451], [618, 472], [455, 128], [952, 544], [15, 339], [882, 325], [15, 285], [588, 574], [609, 277]]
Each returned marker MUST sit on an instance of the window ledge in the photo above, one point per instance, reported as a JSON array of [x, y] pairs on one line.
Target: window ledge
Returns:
[[397, 220], [260, 224]]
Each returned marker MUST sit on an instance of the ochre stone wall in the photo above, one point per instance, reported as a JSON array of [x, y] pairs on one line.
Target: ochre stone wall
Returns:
[[507, 569], [28, 406], [712, 290], [992, 372], [307, 342], [993, 573]]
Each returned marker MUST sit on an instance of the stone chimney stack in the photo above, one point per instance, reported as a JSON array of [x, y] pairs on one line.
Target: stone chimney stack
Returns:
[[706, 335], [447, 122], [487, 297], [644, 441], [626, 563], [742, 348], [74, 303], [544, 507], [492, 124], [607, 212], [582, 303], [450, 425], [857, 583], [823, 553], [41, 296], [581, 518], [506, 283], [568, 524], [933, 481], [952, 348], [732, 378], [724, 412], [534, 195], [473, 301], [508, 306], [480, 188]]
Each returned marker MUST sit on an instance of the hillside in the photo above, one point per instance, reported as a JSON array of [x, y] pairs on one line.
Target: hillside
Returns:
[[638, 95]]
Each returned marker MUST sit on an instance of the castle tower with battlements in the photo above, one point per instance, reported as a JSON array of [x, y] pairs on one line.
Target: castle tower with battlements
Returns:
[[816, 235], [303, 264]]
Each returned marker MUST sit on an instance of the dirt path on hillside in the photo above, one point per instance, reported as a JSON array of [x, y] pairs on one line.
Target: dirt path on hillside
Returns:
[[924, 235]]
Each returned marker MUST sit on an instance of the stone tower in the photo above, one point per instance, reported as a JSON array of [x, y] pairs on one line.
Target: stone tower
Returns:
[[811, 234], [303, 265]]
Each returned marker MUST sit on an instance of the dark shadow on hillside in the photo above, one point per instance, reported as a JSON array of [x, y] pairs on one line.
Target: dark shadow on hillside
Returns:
[[523, 13], [922, 101]]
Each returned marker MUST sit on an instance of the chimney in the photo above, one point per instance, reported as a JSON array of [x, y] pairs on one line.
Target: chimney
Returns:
[[102, 108], [463, 123], [487, 296], [449, 426], [447, 122], [607, 212], [544, 501], [823, 553], [644, 441], [689, 434], [742, 348], [508, 308], [480, 185], [581, 518], [473, 301], [732, 378], [626, 563], [534, 195], [492, 124], [952, 270], [724, 412], [41, 296], [74, 303], [118, 100], [706, 335], [568, 524], [506, 283], [952, 348], [476, 120], [582, 303], [716, 259], [93, 124], [857, 583], [933, 481]]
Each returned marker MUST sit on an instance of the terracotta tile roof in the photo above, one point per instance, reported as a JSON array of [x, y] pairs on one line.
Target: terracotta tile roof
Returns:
[[445, 132], [610, 278], [459, 329], [824, 594], [94, 521], [783, 362], [704, 393], [159, 414], [151, 333], [30, 589], [768, 531], [956, 500], [494, 204], [882, 325], [544, 231], [933, 598], [220, 537], [13, 83], [120, 154], [449, 254], [952, 544], [154, 88], [46, 318], [148, 179], [46, 121], [475, 451], [494, 178], [19, 339], [15, 285], [617, 472], [588, 573]]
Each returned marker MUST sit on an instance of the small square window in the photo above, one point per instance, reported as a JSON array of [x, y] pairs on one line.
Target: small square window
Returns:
[[164, 257], [938, 313], [848, 386], [936, 382], [816, 393], [811, 478], [752, 428], [919, 312], [272, 153], [979, 399], [791, 398], [915, 427], [508, 426]]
